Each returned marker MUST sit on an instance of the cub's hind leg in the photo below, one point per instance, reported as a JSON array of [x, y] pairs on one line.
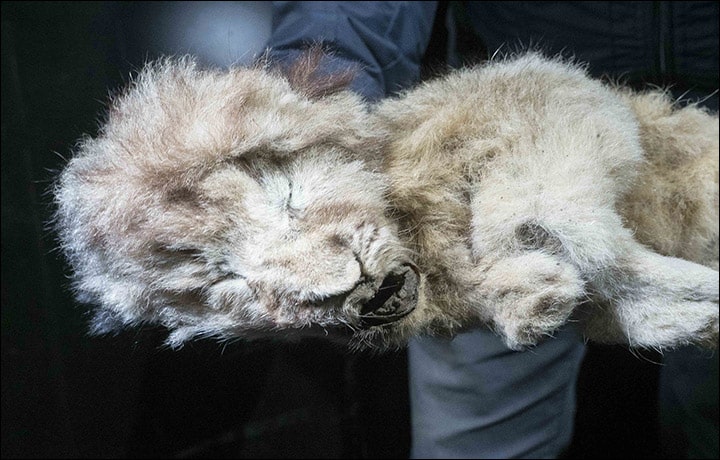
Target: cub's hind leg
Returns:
[[671, 208], [655, 301]]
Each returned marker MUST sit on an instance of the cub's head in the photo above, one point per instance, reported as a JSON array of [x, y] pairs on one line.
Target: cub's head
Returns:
[[238, 203]]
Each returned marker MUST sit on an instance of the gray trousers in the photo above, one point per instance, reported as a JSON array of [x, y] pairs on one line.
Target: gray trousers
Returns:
[[472, 397]]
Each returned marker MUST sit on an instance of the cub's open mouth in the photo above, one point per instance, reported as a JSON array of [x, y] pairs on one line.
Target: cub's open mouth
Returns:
[[395, 298]]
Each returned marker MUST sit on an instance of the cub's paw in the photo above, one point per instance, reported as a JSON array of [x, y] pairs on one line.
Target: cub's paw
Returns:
[[667, 302], [530, 296]]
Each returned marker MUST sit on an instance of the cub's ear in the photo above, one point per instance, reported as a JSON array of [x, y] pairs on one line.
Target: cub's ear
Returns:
[[315, 76]]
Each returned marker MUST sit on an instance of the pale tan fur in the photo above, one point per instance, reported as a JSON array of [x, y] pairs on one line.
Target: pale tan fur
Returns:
[[522, 185], [518, 195]]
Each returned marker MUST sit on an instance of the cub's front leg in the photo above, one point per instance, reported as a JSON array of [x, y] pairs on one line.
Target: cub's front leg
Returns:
[[549, 231], [636, 296], [524, 164]]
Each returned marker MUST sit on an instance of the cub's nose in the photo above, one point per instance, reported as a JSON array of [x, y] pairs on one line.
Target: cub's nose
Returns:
[[395, 298]]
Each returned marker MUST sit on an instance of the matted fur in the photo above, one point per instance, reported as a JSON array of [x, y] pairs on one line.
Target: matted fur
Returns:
[[518, 195]]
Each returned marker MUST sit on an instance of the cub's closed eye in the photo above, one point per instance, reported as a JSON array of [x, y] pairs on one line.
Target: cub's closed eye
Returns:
[[291, 205], [166, 249]]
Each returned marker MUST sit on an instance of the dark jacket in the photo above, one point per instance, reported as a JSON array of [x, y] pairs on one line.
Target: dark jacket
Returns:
[[660, 43]]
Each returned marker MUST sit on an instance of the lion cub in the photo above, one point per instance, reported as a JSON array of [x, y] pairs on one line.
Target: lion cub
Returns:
[[518, 195]]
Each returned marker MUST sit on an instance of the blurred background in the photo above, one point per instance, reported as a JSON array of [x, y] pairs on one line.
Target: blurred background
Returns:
[[65, 394]]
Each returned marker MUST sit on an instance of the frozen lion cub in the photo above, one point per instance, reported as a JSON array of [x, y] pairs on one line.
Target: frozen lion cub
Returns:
[[517, 195]]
